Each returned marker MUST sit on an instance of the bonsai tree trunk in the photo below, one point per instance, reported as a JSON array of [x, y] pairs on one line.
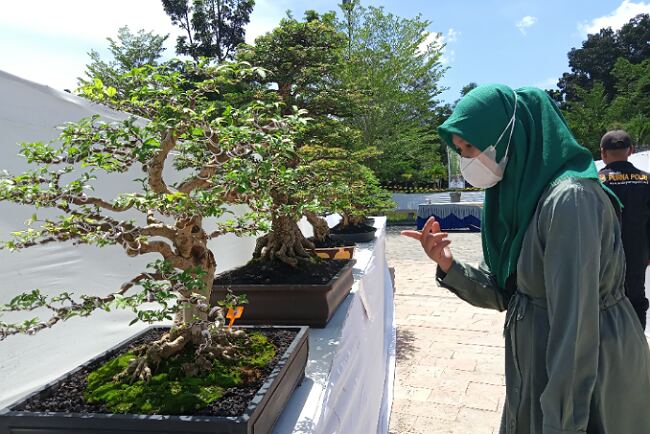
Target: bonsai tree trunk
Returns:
[[192, 325], [320, 226], [284, 243], [357, 220], [348, 220]]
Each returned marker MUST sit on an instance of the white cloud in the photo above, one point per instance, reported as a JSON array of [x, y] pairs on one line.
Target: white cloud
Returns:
[[549, 83], [616, 19], [432, 38], [443, 41], [79, 19], [525, 23], [452, 35]]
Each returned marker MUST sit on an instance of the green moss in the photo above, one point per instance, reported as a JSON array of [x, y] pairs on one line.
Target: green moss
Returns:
[[169, 391]]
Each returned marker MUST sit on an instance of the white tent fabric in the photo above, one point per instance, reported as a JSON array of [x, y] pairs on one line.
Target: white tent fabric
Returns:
[[642, 161], [32, 112], [639, 159]]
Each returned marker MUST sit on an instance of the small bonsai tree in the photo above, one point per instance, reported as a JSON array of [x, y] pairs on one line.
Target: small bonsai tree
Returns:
[[196, 132], [344, 185], [280, 185], [364, 197]]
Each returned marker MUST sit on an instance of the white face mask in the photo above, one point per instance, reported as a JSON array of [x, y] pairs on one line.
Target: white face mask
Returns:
[[483, 171]]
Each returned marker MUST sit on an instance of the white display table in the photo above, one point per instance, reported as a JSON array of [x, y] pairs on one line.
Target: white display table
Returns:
[[349, 375]]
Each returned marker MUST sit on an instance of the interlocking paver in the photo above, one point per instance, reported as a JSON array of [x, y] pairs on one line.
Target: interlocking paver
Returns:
[[449, 371], [450, 356]]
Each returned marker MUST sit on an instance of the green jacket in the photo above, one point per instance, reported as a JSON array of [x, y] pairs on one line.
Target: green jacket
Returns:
[[576, 358]]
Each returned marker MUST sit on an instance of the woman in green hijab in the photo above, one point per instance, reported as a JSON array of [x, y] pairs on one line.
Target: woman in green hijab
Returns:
[[576, 358]]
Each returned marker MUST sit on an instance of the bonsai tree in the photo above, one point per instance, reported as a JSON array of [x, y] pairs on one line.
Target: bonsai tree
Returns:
[[344, 185], [278, 183], [190, 130], [363, 197], [305, 60]]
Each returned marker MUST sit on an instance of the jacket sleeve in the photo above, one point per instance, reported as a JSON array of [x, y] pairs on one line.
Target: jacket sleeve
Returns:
[[570, 227], [476, 286]]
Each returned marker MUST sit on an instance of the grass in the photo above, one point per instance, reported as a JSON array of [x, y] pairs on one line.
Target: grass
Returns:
[[169, 391], [400, 216]]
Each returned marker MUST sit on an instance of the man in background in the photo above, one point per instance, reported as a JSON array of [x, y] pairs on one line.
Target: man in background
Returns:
[[632, 187]]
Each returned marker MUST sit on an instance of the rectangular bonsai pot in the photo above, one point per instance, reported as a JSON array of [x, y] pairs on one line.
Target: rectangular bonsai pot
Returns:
[[292, 304], [337, 253], [258, 418]]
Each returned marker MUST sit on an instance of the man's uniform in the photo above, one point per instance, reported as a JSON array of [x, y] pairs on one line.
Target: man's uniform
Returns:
[[632, 186]]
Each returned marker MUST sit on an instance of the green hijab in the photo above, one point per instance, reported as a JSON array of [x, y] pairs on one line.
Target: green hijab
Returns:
[[542, 151]]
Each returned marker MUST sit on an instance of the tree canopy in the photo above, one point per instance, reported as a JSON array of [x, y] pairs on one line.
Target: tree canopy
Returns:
[[213, 28], [394, 68], [129, 51], [609, 85]]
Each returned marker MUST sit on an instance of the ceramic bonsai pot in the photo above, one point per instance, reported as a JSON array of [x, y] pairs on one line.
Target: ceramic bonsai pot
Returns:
[[354, 237], [259, 417], [292, 304], [342, 253]]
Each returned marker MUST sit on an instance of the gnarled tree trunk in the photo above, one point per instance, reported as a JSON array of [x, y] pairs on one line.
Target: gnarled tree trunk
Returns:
[[284, 243], [191, 325], [320, 226]]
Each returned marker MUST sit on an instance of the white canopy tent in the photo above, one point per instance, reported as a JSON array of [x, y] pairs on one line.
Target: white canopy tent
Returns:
[[639, 159]]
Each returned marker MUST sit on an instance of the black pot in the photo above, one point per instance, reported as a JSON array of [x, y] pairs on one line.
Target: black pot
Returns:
[[355, 237], [276, 303], [259, 417]]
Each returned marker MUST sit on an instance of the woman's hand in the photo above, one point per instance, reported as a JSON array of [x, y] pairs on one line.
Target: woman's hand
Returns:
[[434, 243]]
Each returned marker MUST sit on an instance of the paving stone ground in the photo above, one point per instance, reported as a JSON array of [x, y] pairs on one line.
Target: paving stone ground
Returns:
[[449, 375]]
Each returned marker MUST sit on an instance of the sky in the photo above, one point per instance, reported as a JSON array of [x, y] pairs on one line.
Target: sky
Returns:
[[515, 42]]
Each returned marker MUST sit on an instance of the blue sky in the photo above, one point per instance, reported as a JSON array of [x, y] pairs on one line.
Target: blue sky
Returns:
[[519, 43]]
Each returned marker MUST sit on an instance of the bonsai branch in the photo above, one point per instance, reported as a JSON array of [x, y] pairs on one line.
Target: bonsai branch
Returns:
[[321, 228], [157, 164]]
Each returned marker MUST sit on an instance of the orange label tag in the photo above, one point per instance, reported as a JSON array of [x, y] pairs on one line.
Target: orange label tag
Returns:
[[233, 314]]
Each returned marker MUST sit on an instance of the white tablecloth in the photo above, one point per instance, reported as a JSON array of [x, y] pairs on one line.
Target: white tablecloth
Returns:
[[349, 376], [459, 209]]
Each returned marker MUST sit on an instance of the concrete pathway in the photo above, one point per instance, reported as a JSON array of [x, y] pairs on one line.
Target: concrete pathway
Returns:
[[450, 356], [449, 373]]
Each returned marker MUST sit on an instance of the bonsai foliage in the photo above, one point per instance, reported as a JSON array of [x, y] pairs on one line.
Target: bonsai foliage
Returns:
[[196, 136], [278, 183], [364, 198], [305, 61], [344, 185]]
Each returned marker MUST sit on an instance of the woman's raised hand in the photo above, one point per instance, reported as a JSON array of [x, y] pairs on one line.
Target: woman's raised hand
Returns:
[[434, 243]]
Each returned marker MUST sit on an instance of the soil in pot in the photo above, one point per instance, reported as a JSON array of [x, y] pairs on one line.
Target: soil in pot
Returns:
[[276, 272], [232, 399], [353, 229], [329, 243]]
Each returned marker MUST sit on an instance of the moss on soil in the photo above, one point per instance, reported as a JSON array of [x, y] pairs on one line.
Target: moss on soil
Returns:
[[169, 391]]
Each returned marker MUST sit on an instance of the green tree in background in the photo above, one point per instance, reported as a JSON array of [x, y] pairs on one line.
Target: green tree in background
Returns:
[[589, 117], [304, 60], [214, 28], [599, 53], [631, 107], [394, 71], [129, 51], [609, 86]]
